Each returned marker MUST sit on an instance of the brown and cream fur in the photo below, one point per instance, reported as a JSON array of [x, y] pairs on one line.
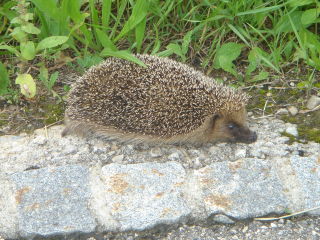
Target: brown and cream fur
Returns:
[[166, 102]]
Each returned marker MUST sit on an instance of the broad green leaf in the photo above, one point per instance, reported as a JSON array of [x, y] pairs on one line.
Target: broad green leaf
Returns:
[[227, 65], [27, 85], [30, 28], [10, 49], [28, 50], [254, 59], [19, 35], [186, 42], [175, 48], [284, 24], [226, 54], [53, 79], [298, 3], [261, 76], [16, 20], [51, 42], [122, 54], [4, 80], [310, 16], [105, 40], [27, 17]]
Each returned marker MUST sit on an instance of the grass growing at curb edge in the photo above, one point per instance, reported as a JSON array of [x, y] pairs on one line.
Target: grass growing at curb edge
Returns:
[[264, 36]]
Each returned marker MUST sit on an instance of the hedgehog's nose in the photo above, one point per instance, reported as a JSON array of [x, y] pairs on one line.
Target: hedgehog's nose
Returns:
[[253, 137]]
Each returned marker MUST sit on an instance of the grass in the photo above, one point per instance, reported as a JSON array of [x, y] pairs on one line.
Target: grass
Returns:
[[263, 36]]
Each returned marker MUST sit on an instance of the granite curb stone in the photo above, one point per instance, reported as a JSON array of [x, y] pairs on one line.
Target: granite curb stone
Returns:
[[8, 209], [140, 196], [73, 199], [53, 201], [307, 170], [239, 189]]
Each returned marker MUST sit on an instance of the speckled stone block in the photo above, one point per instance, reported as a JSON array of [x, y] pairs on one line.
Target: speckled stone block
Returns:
[[242, 189], [307, 172], [8, 209], [140, 196], [53, 201]]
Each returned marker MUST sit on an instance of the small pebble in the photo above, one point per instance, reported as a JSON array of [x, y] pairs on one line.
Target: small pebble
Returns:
[[155, 152], [292, 129], [240, 153], [282, 111], [293, 110], [313, 102], [245, 229], [174, 156], [118, 158], [273, 225]]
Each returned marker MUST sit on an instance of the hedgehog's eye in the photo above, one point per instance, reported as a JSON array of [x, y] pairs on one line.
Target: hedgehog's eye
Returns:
[[231, 126]]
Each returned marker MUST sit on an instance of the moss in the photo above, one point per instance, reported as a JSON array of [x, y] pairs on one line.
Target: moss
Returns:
[[312, 134], [3, 120], [308, 126], [54, 113], [294, 92], [290, 119], [292, 138]]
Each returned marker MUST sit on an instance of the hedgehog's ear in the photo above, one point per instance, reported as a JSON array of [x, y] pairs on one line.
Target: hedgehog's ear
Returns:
[[216, 116]]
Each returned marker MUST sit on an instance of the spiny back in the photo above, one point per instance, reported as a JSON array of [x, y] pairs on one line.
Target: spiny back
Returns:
[[165, 99]]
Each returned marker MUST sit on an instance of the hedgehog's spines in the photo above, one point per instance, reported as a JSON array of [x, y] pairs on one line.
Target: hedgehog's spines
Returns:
[[166, 99]]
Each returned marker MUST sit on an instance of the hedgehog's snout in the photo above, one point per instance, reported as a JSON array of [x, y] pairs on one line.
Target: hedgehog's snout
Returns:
[[252, 137], [247, 136], [242, 133]]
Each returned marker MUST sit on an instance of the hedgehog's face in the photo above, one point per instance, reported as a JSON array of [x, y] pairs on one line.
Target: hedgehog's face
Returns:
[[232, 127]]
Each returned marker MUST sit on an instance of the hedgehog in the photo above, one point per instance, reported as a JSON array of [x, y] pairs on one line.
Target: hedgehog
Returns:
[[165, 102]]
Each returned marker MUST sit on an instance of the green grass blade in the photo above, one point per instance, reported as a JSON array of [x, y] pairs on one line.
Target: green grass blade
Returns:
[[74, 11], [139, 32], [168, 6], [260, 10], [105, 40], [48, 7], [106, 11], [297, 35], [10, 49], [122, 54], [139, 12], [94, 13], [270, 64], [120, 11], [235, 30], [4, 80]]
